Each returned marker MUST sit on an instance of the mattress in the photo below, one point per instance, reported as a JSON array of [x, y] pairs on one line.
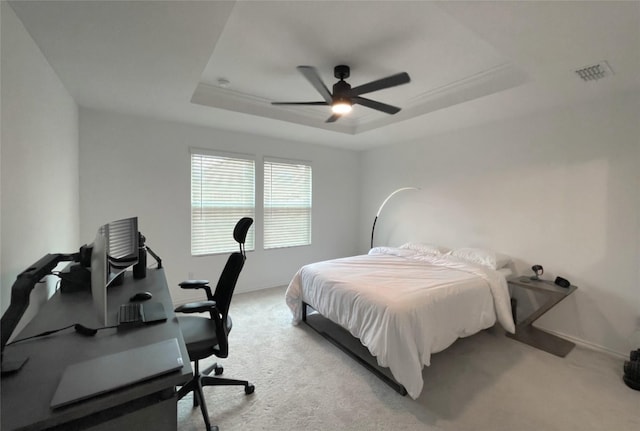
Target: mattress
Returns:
[[403, 305]]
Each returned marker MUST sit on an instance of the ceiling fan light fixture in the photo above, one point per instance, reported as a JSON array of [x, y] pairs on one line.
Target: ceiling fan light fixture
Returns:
[[341, 107], [343, 96]]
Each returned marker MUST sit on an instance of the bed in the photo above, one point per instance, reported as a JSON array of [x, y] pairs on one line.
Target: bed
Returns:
[[405, 304]]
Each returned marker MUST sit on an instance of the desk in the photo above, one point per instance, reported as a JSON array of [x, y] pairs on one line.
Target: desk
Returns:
[[526, 332], [148, 405]]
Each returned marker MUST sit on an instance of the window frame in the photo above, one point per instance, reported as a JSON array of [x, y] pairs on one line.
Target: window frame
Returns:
[[265, 210], [251, 237]]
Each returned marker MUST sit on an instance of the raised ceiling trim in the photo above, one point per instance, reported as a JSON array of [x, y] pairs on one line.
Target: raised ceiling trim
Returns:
[[491, 81], [499, 78]]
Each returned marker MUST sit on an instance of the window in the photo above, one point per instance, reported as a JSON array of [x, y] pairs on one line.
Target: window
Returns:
[[222, 192], [287, 204]]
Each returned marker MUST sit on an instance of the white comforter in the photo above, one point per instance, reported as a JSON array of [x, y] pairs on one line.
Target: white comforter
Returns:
[[403, 305]]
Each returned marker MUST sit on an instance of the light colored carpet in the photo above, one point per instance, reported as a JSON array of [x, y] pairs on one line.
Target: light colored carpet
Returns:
[[483, 382]]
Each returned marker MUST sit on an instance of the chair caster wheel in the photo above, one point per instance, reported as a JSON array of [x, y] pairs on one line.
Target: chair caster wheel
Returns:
[[249, 389], [218, 370]]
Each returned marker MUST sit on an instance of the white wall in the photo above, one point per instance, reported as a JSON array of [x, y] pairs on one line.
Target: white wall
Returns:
[[39, 160], [136, 166], [558, 189]]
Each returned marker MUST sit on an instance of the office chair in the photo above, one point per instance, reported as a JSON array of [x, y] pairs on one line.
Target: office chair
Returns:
[[206, 336]]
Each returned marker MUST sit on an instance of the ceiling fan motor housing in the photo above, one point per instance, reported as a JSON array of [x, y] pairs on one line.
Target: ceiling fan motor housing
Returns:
[[340, 88], [341, 71]]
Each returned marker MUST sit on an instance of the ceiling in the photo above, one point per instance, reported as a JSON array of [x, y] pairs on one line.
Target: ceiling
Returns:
[[469, 62]]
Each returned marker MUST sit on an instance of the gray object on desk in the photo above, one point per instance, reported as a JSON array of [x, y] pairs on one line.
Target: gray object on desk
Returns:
[[110, 372]]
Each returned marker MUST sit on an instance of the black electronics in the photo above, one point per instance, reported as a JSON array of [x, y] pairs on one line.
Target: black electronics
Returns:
[[538, 271], [141, 296], [83, 330], [75, 278], [85, 255], [562, 282], [140, 268]]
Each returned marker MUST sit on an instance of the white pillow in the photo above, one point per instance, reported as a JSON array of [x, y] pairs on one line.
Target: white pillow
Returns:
[[481, 256], [423, 248]]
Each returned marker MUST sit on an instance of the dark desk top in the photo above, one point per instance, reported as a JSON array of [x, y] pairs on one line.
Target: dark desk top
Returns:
[[26, 394]]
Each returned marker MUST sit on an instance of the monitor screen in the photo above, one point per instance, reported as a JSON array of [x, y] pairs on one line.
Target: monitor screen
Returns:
[[115, 249], [122, 243]]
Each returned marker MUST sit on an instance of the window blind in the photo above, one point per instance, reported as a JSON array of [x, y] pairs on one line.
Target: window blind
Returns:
[[222, 192], [287, 204]]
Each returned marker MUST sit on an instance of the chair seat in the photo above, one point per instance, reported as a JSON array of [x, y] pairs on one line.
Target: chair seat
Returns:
[[200, 335]]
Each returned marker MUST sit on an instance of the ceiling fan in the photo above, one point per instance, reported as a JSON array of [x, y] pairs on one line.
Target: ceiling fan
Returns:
[[343, 96]]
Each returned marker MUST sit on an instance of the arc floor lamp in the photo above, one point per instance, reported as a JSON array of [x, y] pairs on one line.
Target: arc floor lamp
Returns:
[[373, 228]]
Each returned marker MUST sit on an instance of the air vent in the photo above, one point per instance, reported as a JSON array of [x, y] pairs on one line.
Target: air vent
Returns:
[[595, 72]]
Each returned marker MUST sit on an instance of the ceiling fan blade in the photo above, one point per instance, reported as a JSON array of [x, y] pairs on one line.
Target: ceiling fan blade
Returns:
[[389, 109], [333, 118], [300, 103], [380, 84], [313, 77]]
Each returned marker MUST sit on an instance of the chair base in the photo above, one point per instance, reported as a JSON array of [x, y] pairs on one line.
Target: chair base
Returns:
[[199, 380]]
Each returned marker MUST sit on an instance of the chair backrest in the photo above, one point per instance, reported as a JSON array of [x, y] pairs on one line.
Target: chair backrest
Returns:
[[227, 283], [229, 276], [240, 232]]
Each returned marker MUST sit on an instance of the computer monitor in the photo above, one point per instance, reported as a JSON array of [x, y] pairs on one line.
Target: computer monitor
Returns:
[[115, 248], [122, 244]]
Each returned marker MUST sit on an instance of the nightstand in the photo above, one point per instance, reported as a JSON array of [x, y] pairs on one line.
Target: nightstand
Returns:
[[526, 332]]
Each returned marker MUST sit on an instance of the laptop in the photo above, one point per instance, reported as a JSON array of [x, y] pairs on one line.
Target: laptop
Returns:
[[133, 314], [107, 373]]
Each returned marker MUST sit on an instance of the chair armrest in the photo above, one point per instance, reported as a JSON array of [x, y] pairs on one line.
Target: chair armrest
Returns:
[[196, 307], [198, 284], [194, 284]]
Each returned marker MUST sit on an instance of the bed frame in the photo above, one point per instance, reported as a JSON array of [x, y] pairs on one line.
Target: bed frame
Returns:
[[342, 339]]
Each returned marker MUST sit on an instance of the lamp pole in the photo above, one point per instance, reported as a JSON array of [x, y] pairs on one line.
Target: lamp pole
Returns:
[[373, 228]]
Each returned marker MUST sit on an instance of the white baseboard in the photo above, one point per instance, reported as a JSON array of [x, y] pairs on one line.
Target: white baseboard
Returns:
[[255, 289], [588, 344]]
